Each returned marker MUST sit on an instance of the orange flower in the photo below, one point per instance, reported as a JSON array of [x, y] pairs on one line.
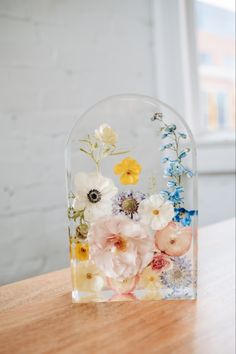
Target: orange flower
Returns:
[[174, 239], [129, 170]]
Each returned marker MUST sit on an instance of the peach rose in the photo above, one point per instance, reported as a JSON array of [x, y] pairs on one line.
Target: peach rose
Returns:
[[174, 239], [120, 247]]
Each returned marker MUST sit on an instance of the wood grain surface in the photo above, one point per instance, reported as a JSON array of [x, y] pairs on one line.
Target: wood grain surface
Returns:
[[37, 316]]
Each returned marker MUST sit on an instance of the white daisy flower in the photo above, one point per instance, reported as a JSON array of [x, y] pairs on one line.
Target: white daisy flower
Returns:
[[156, 212], [106, 135], [94, 194]]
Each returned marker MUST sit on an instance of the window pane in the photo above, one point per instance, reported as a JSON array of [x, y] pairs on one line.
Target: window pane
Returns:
[[216, 51]]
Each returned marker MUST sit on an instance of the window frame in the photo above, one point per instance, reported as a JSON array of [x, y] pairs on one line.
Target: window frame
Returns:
[[176, 81]]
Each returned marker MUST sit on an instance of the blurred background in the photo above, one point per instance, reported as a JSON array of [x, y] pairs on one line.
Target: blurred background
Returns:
[[58, 57]]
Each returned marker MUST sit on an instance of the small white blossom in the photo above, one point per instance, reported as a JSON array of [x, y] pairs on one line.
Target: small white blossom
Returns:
[[156, 212]]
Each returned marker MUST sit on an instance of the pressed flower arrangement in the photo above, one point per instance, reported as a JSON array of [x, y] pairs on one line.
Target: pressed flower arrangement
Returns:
[[131, 179]]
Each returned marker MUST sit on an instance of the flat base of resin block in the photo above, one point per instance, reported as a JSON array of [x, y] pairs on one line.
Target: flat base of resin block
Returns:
[[137, 295]]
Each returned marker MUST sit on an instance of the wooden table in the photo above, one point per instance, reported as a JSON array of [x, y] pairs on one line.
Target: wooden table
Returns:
[[36, 315]]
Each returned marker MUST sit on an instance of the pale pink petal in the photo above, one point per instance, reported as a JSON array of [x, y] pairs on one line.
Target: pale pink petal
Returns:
[[174, 240], [136, 250]]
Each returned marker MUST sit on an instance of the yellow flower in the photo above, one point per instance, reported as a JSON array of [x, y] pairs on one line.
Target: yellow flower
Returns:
[[79, 250], [149, 279], [106, 135], [129, 171]]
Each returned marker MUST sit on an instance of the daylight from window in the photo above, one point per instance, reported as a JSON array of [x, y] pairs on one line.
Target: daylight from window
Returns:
[[216, 56]]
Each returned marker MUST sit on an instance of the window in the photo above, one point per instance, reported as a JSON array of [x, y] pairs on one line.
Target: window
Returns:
[[194, 73], [205, 58], [215, 22]]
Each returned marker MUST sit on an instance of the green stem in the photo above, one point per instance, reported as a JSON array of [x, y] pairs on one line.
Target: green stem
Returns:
[[96, 161], [177, 155], [97, 152]]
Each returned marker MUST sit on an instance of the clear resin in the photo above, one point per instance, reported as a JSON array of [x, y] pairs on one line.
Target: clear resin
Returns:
[[132, 202]]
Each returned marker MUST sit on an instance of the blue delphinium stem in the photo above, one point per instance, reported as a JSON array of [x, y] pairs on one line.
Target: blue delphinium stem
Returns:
[[175, 168]]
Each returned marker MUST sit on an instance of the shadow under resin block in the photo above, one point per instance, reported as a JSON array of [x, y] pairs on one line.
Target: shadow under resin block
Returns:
[[132, 202]]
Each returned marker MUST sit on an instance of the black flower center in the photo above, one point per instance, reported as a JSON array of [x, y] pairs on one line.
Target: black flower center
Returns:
[[94, 196]]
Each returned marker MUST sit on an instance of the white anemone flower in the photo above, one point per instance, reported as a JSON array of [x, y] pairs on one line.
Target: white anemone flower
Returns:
[[156, 212], [106, 135], [94, 195]]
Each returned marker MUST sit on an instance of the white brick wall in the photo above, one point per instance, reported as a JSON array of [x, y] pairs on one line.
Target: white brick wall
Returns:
[[56, 59]]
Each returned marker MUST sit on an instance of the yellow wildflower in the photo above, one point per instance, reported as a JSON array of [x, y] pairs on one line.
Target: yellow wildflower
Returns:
[[106, 135], [149, 279], [129, 171], [79, 251]]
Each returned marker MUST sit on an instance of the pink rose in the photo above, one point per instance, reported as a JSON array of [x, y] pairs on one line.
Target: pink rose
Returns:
[[161, 262], [120, 247], [174, 239]]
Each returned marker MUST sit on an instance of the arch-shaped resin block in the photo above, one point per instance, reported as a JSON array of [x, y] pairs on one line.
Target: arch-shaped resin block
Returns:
[[132, 202]]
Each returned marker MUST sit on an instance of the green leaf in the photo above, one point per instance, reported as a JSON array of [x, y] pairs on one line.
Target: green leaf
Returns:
[[83, 150], [119, 153]]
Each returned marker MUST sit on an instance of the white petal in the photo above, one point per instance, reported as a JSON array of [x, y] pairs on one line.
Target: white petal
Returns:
[[146, 219], [81, 180], [96, 211], [94, 180], [106, 185], [79, 204], [156, 223], [131, 229], [144, 206], [96, 283], [167, 210], [108, 194], [156, 200]]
